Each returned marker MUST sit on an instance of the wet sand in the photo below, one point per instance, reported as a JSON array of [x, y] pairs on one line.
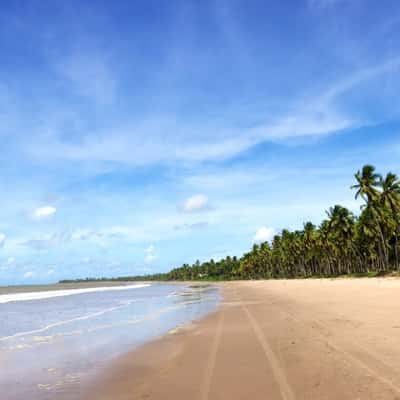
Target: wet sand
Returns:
[[299, 339]]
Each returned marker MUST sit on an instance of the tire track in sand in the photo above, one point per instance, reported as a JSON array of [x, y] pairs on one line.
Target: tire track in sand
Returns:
[[209, 372], [339, 349], [279, 375]]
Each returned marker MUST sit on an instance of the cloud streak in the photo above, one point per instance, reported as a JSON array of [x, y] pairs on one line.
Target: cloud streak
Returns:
[[143, 143]]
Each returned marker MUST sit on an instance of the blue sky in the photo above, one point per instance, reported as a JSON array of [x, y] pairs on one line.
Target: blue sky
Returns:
[[139, 135]]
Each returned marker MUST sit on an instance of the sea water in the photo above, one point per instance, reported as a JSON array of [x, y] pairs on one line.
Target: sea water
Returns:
[[51, 342]]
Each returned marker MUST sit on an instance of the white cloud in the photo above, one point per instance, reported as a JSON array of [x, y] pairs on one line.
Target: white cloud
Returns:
[[10, 261], [29, 274], [44, 212], [50, 272], [2, 239], [196, 203], [264, 234]]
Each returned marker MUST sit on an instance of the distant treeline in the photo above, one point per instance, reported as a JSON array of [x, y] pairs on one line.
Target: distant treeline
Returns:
[[343, 244]]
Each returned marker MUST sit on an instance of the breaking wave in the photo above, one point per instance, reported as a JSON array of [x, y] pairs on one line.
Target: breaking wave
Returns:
[[7, 298]]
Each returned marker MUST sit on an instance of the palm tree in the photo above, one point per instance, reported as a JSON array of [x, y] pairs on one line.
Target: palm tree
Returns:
[[367, 180], [341, 225], [390, 195], [390, 200], [309, 237]]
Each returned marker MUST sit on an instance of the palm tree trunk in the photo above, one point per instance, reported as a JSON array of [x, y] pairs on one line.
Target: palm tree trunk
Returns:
[[396, 255]]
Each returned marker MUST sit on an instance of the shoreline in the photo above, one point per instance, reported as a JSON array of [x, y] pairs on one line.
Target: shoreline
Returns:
[[130, 368], [75, 337], [11, 289], [308, 339]]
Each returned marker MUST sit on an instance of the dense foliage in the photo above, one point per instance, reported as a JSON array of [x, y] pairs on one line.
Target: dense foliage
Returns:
[[343, 244]]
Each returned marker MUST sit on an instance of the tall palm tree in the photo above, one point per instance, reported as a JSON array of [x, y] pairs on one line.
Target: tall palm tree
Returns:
[[367, 180], [390, 195], [390, 200], [341, 225]]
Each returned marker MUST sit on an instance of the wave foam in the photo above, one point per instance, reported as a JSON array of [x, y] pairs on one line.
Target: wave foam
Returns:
[[7, 298]]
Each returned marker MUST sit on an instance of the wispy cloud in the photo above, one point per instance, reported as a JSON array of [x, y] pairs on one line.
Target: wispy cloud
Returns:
[[90, 74], [144, 142], [189, 227], [44, 242], [364, 75]]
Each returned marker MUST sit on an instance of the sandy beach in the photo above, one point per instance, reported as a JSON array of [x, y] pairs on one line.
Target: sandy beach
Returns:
[[299, 339]]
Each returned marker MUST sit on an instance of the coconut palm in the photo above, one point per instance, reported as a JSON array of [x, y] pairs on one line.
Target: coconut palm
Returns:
[[390, 208], [367, 180]]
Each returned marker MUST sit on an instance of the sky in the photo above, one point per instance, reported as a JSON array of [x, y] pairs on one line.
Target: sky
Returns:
[[139, 135]]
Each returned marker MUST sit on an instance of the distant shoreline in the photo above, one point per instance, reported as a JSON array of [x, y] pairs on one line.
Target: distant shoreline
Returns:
[[89, 283]]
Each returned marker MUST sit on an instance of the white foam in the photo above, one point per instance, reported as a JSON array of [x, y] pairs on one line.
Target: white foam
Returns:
[[7, 298]]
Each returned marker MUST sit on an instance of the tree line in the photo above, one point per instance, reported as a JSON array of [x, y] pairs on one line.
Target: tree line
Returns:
[[343, 244]]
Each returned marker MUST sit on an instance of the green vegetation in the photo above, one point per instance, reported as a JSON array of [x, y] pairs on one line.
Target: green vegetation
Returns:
[[343, 244]]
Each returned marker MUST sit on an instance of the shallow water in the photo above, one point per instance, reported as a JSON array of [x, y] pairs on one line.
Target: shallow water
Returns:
[[50, 343]]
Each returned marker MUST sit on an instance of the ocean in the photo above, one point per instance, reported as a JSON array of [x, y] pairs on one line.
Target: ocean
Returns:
[[53, 341]]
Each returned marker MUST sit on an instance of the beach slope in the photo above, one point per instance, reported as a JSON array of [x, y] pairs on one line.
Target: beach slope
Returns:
[[298, 339]]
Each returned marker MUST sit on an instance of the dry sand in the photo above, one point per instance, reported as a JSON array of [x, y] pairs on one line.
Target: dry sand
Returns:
[[300, 339]]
